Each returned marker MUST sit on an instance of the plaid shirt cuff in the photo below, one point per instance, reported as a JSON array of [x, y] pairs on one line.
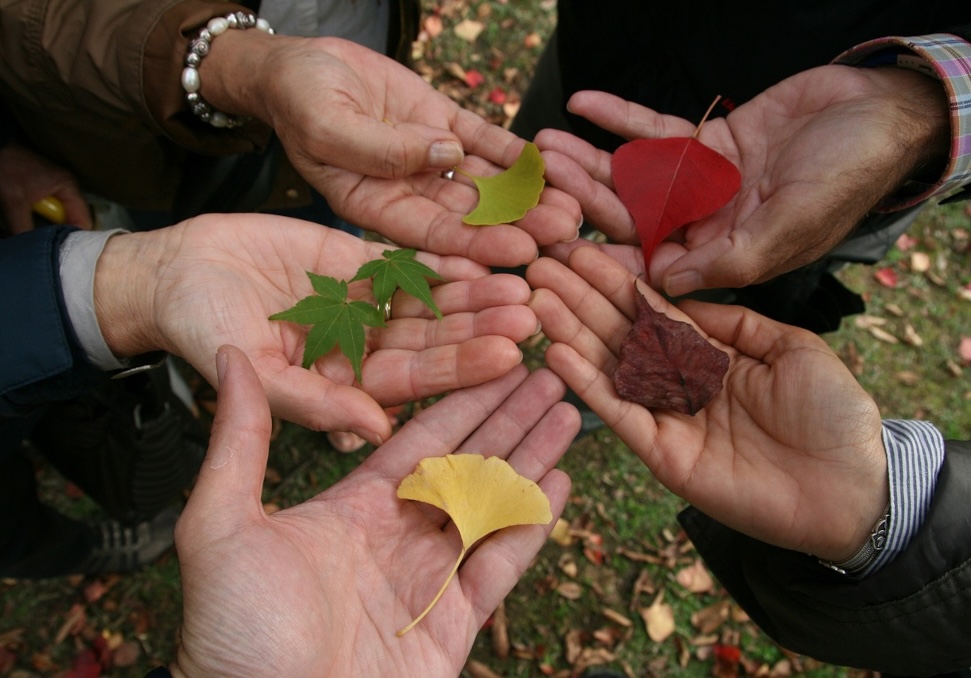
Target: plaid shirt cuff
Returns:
[[948, 58]]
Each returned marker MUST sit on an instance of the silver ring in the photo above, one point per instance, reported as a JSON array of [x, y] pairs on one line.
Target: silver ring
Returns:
[[448, 174], [387, 310]]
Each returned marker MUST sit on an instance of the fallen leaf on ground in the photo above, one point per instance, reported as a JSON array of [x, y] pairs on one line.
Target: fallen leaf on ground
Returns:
[[696, 578], [480, 495], [659, 619], [469, 30], [886, 276]]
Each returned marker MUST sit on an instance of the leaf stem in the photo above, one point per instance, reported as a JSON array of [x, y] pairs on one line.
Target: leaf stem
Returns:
[[437, 596], [705, 116]]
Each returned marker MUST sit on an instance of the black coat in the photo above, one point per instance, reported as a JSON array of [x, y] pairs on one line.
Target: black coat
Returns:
[[913, 616]]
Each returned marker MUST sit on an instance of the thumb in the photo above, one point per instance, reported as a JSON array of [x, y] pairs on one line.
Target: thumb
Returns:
[[230, 481], [396, 151], [723, 262]]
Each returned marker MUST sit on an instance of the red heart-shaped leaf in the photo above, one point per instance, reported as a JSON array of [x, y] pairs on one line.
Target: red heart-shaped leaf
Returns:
[[668, 183]]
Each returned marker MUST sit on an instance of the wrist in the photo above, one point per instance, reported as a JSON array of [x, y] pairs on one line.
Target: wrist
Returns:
[[123, 297], [230, 74]]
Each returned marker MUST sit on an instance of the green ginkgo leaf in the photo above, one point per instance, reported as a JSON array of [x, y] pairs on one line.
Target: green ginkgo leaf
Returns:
[[399, 268], [334, 321], [506, 197]]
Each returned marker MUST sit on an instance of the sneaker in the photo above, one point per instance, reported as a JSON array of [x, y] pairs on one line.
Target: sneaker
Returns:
[[132, 444], [122, 548], [58, 546]]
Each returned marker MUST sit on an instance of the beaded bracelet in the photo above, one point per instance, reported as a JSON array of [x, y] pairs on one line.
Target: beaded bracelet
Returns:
[[198, 48]]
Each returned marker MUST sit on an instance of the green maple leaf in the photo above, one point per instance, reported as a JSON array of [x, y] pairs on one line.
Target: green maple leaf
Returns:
[[506, 197], [399, 268], [334, 320]]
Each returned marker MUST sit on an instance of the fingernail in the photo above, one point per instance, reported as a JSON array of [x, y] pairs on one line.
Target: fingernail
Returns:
[[539, 328], [445, 154], [682, 283], [369, 436], [576, 235], [222, 361]]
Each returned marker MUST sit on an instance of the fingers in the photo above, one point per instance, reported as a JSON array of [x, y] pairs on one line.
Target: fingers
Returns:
[[76, 209], [601, 206], [396, 377], [313, 401], [529, 429], [626, 119], [443, 427], [466, 296], [227, 492]]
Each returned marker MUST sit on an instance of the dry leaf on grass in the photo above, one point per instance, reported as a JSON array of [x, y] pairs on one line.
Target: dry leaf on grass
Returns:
[[659, 619]]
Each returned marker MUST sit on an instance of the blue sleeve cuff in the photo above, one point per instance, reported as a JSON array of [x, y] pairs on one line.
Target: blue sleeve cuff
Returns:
[[915, 453], [39, 356]]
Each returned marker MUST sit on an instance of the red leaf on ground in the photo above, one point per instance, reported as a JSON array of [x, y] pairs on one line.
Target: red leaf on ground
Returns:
[[668, 183], [667, 364], [473, 78], [497, 96], [886, 277], [85, 665]]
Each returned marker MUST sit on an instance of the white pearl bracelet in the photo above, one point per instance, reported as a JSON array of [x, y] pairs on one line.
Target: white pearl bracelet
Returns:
[[198, 48]]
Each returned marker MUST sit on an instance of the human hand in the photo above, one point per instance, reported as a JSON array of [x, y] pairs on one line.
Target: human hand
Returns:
[[789, 452], [215, 279], [26, 178], [374, 138], [816, 152], [320, 589]]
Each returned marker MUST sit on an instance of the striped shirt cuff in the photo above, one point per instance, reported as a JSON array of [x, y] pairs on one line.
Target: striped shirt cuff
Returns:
[[948, 58], [915, 453]]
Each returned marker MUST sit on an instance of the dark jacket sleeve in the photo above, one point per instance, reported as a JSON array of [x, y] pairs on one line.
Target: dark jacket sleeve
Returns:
[[40, 359], [911, 617]]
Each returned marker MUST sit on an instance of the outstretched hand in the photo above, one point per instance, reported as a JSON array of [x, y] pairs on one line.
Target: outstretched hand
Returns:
[[215, 279], [374, 139], [321, 588], [789, 452], [26, 178], [817, 152]]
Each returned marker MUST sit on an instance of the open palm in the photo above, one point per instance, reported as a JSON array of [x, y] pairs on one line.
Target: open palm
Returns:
[[218, 278], [357, 125], [817, 152], [789, 452], [321, 588]]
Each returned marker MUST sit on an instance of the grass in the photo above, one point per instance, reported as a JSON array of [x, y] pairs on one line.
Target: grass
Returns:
[[625, 546]]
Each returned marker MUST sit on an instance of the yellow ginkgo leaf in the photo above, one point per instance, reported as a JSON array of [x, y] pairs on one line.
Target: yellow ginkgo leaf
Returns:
[[480, 496], [507, 196]]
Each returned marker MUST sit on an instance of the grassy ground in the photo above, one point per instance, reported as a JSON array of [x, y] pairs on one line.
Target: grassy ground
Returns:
[[623, 560]]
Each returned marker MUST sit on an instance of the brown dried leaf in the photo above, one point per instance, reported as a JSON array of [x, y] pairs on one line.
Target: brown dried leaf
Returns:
[[570, 590], [667, 364], [477, 669], [500, 632], [911, 337], [696, 578], [884, 336], [659, 619], [709, 619], [616, 617], [468, 30]]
